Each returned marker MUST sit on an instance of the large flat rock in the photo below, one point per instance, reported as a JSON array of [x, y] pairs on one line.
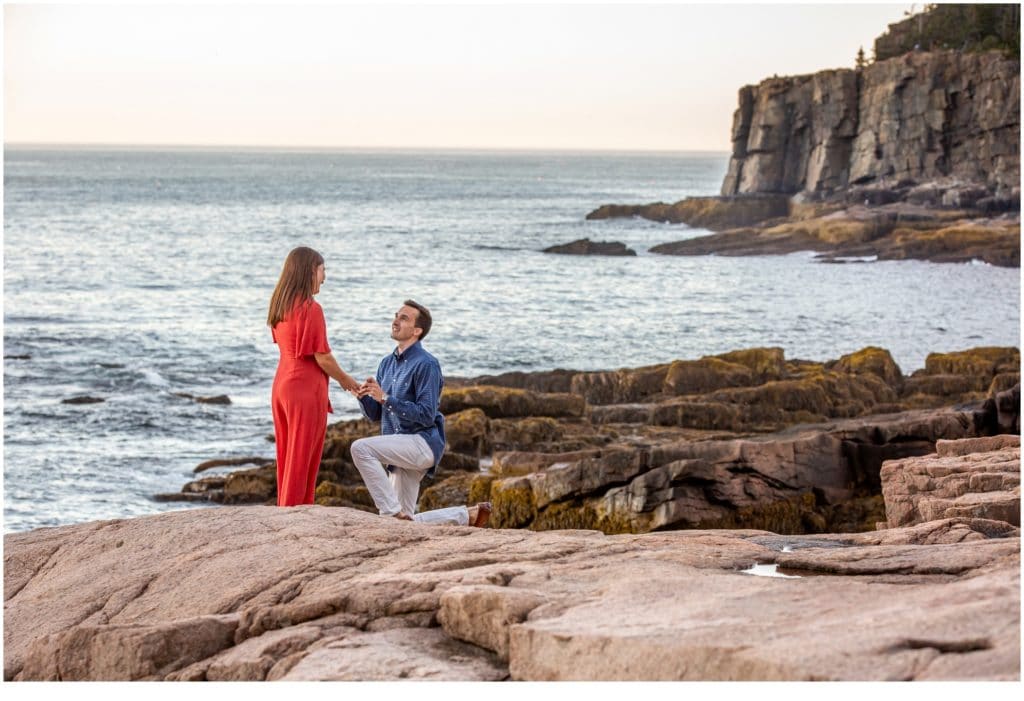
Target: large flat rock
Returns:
[[302, 593]]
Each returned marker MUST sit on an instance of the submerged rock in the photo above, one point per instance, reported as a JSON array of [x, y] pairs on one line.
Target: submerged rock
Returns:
[[83, 400], [586, 247], [230, 462], [218, 399]]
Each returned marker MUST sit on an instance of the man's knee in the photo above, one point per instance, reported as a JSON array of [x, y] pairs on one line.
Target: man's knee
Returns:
[[361, 451]]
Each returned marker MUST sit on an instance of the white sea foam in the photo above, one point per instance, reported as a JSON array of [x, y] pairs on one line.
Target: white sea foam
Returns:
[[154, 378]]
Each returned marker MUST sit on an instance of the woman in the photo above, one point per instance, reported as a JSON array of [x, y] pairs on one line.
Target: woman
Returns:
[[299, 397]]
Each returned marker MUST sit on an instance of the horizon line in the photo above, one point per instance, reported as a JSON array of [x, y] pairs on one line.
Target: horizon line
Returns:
[[278, 147]]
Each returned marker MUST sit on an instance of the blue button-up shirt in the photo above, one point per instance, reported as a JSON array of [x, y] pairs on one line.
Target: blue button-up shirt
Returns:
[[413, 381]]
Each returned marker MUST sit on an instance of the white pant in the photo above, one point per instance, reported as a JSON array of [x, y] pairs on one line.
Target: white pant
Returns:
[[410, 457]]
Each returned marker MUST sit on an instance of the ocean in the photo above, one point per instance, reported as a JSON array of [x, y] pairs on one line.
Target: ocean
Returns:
[[132, 275]]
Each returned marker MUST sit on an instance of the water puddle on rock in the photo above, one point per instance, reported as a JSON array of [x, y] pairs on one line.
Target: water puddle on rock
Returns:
[[760, 570]]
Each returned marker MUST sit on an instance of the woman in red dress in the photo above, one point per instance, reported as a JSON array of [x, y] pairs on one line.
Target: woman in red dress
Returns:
[[299, 397]]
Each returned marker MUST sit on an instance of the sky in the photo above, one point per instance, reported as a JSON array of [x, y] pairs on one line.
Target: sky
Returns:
[[574, 76]]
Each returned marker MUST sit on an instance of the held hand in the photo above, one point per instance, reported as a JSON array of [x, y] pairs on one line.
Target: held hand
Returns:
[[372, 389], [350, 385], [364, 389]]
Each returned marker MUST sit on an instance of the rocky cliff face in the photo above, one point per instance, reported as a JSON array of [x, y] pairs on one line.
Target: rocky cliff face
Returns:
[[922, 116]]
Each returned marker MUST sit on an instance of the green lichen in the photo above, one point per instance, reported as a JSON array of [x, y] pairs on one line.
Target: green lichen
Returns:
[[514, 505]]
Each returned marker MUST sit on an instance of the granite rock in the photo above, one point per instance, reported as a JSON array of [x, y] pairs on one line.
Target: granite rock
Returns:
[[252, 593], [977, 478]]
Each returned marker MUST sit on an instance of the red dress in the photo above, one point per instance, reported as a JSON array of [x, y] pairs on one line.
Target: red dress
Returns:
[[299, 402]]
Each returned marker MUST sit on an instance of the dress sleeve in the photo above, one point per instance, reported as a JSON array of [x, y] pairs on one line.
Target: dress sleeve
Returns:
[[312, 332]]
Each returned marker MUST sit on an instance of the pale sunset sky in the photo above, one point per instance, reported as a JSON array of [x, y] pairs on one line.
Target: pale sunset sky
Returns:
[[513, 76]]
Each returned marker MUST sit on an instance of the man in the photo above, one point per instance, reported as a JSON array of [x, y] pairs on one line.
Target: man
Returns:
[[404, 397]]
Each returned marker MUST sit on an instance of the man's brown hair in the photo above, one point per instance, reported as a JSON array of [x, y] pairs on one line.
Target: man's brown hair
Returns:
[[423, 320]]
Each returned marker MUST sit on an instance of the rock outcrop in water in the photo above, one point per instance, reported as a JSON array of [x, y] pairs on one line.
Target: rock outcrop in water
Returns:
[[912, 157], [897, 231], [305, 593], [586, 247], [747, 439]]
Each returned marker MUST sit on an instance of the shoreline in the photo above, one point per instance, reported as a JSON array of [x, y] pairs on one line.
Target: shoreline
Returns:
[[567, 449], [839, 228]]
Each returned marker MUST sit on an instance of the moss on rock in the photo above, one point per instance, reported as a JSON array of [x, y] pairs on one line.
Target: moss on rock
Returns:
[[513, 502], [699, 415], [451, 491], [620, 386], [253, 486], [875, 361], [524, 434], [466, 431], [979, 364], [1002, 382], [787, 395], [504, 402], [565, 515], [705, 375], [334, 494], [765, 364], [480, 489], [340, 436], [945, 386], [797, 515]]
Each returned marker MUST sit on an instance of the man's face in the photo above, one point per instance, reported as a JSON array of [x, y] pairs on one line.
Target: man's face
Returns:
[[403, 328]]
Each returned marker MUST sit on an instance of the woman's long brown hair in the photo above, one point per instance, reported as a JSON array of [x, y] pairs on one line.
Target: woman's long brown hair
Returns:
[[295, 283]]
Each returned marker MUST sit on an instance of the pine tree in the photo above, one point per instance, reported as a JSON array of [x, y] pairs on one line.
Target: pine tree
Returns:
[[861, 62]]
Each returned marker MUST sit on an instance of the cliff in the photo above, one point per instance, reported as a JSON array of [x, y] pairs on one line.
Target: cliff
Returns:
[[922, 116]]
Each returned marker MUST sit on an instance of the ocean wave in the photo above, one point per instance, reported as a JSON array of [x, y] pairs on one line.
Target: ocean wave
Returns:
[[154, 378], [485, 247]]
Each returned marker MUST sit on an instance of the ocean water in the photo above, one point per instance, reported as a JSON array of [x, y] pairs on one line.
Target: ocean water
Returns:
[[131, 275]]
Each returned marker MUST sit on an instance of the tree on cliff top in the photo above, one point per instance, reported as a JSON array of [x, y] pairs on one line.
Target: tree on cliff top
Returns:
[[860, 61], [961, 27]]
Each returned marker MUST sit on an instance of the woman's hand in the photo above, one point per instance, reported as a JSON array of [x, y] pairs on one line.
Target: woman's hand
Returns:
[[331, 368], [349, 384]]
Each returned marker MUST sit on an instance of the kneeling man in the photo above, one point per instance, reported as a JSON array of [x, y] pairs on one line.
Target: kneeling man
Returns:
[[405, 397]]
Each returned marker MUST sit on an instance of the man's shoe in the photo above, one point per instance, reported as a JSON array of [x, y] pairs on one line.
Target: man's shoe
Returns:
[[483, 514]]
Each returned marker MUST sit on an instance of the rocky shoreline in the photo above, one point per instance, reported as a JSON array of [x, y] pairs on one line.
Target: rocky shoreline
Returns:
[[747, 439], [313, 593], [882, 510], [835, 231]]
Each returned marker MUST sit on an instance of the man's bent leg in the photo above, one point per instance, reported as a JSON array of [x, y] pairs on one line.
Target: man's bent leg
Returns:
[[371, 454], [452, 516], [406, 478]]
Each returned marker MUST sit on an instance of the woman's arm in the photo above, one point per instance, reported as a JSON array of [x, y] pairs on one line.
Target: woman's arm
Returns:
[[330, 366]]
